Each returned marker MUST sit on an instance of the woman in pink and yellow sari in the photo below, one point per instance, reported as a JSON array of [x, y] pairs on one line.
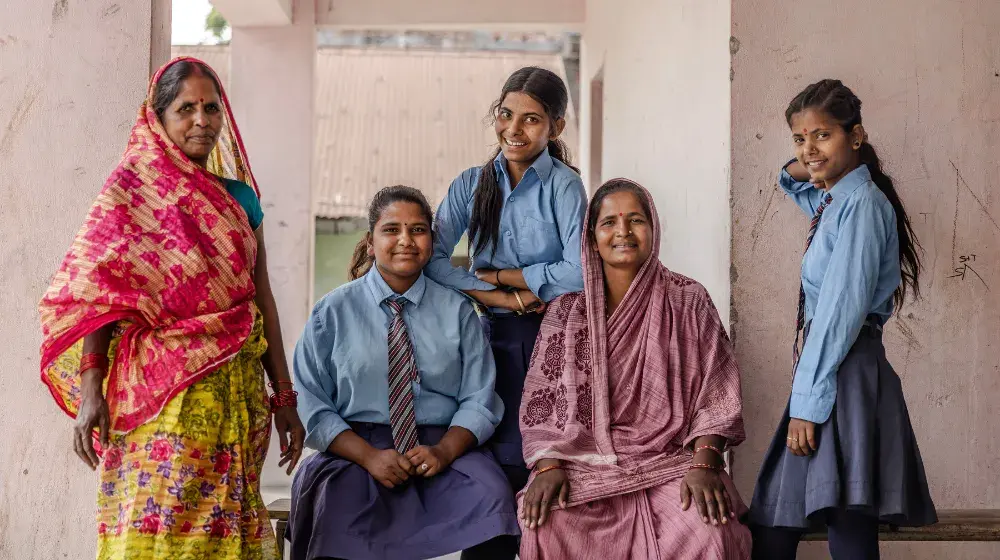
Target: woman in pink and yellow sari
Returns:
[[158, 329], [632, 396]]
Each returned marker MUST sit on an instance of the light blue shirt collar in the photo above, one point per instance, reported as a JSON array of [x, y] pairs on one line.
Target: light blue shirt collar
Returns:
[[542, 165], [381, 291]]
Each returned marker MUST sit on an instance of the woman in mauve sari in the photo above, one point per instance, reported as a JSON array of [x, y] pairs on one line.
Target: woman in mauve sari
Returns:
[[632, 396], [157, 331]]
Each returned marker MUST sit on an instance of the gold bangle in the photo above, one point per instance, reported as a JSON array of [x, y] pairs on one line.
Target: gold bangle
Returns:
[[520, 302], [547, 469], [713, 448]]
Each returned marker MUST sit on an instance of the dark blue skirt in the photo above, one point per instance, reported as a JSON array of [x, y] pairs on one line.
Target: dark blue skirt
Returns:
[[338, 509], [512, 338], [867, 458]]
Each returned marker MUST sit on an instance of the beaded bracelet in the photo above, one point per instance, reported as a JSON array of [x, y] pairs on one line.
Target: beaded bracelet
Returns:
[[547, 469], [94, 361], [712, 447], [283, 398]]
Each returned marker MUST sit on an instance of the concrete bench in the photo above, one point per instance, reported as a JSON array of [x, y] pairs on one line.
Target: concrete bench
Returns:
[[952, 525], [278, 510]]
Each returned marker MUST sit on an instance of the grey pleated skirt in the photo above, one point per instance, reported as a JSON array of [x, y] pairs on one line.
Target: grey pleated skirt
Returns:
[[867, 458]]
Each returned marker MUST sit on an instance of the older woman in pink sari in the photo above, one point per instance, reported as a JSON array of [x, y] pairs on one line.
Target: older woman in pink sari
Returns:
[[631, 398]]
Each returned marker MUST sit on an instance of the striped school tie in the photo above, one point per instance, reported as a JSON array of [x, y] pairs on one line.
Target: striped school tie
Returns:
[[800, 316], [402, 371]]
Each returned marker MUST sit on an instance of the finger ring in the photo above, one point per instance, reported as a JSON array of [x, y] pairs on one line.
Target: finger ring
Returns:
[[424, 467], [791, 439]]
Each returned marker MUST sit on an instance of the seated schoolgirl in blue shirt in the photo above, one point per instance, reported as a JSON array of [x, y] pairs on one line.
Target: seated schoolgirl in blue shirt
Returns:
[[396, 391]]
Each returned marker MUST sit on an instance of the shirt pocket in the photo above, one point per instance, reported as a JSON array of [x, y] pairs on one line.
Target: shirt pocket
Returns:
[[827, 227], [538, 241], [438, 358], [817, 259]]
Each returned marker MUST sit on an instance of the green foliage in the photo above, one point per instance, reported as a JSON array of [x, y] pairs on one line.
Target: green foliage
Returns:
[[216, 24]]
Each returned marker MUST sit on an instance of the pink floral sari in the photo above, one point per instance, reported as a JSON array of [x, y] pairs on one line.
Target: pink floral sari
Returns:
[[168, 255], [166, 252], [620, 400]]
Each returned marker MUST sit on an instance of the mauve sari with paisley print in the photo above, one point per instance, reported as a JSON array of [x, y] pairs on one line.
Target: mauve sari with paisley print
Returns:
[[620, 400]]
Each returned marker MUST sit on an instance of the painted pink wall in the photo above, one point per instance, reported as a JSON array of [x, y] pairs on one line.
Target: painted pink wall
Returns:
[[73, 75], [928, 72], [458, 14]]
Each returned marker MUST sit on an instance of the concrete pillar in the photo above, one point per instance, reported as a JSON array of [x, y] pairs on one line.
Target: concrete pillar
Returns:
[[519, 15], [255, 13], [661, 69], [73, 75], [272, 95]]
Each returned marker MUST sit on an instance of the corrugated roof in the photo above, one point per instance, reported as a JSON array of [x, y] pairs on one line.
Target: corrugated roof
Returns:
[[389, 117], [216, 56]]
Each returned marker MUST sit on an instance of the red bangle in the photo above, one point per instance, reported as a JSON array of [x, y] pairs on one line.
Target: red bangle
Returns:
[[94, 361], [284, 398]]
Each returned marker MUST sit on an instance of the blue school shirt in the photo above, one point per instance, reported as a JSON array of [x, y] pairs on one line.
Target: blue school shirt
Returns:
[[849, 272], [541, 223], [341, 361]]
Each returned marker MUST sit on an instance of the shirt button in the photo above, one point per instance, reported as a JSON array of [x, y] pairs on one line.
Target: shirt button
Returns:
[[511, 199], [509, 233]]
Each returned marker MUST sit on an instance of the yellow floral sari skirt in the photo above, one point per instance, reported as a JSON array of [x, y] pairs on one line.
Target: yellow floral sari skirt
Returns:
[[186, 485]]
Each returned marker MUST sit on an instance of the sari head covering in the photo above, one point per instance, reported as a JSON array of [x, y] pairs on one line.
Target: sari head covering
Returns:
[[166, 254], [621, 399]]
